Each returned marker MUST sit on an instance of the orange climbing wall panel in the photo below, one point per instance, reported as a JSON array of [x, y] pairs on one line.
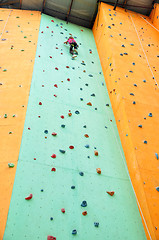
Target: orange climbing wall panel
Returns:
[[18, 41], [154, 16], [139, 61]]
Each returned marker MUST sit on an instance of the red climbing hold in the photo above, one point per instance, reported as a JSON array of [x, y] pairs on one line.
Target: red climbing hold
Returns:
[[29, 197], [84, 213], [51, 238], [42, 32], [53, 169], [96, 153], [62, 116], [29, 128], [34, 158], [39, 116], [57, 48], [67, 67], [55, 95], [62, 210], [43, 70], [61, 53], [52, 31], [81, 30], [55, 85], [47, 27], [53, 156], [50, 56], [111, 193], [54, 134], [52, 20], [71, 147], [42, 85], [68, 79], [39, 56], [40, 103], [98, 170], [56, 68]]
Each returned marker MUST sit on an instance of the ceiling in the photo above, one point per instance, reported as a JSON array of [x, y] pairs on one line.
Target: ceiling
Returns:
[[81, 12]]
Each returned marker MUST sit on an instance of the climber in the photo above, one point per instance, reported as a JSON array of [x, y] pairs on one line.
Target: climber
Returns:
[[73, 44]]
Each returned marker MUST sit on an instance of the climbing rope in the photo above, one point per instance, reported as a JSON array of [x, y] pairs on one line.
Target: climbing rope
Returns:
[[143, 50], [5, 24], [149, 23]]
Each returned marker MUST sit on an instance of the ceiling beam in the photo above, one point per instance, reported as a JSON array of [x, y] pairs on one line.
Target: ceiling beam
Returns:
[[69, 11]]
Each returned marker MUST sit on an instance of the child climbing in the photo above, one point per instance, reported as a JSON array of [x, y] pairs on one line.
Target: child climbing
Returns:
[[73, 46]]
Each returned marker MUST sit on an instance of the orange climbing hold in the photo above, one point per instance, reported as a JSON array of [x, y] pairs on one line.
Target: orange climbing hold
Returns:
[[111, 193], [96, 153], [98, 170], [84, 213], [86, 135], [89, 104], [69, 114]]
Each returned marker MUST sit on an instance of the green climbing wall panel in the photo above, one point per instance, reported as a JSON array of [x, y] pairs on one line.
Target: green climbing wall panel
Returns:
[[117, 215]]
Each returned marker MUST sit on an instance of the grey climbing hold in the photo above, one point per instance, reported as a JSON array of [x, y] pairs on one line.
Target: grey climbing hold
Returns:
[[150, 114], [84, 204], [81, 173], [140, 126], [156, 154], [96, 224], [86, 146], [74, 232], [62, 151]]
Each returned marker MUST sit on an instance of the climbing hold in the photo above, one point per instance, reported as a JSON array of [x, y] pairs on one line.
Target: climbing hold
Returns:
[[67, 67], [145, 142], [55, 95], [134, 102], [51, 219], [81, 173], [53, 155], [96, 224], [157, 188], [84, 213], [98, 170], [90, 75], [51, 238], [140, 126], [62, 116], [93, 95], [107, 105], [133, 63], [69, 114], [135, 85], [63, 126], [132, 94], [55, 85], [123, 45], [125, 53], [150, 114], [54, 134], [62, 210], [131, 44], [53, 169], [46, 131], [72, 187], [144, 80], [74, 232], [156, 154], [121, 54], [89, 104], [56, 68], [77, 112], [86, 146], [71, 147], [84, 204], [62, 151], [29, 197], [96, 153], [10, 165], [109, 27], [86, 135], [84, 126], [5, 115], [111, 193]]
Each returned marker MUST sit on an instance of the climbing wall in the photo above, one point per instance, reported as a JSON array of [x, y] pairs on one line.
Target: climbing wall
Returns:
[[127, 44], [71, 177], [18, 39]]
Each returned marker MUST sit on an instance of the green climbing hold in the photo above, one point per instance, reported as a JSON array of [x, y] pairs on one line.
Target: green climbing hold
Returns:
[[13, 115], [10, 165], [10, 132], [5, 115], [17, 17], [4, 70], [22, 50], [25, 36]]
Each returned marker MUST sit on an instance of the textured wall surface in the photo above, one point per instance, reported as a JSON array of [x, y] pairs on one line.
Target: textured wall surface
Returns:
[[18, 39], [129, 53], [49, 164], [154, 16]]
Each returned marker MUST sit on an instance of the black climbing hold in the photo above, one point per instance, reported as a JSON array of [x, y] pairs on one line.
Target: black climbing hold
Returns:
[[62, 151], [63, 126], [107, 104], [46, 131], [140, 126], [84, 126], [81, 173], [42, 190], [86, 84], [88, 156], [150, 114], [77, 112], [95, 108], [84, 204], [74, 232], [131, 94], [90, 75], [51, 218], [135, 85], [93, 95], [102, 84], [81, 89], [96, 224], [86, 146], [145, 142], [81, 99], [72, 187]]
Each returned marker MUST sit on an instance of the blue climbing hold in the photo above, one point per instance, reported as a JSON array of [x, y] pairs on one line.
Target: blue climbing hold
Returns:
[[90, 75], [107, 104], [62, 151], [131, 44], [63, 126], [150, 114], [132, 94], [144, 80], [140, 126], [86, 146], [88, 156], [72, 187], [81, 173], [51, 218], [157, 188], [77, 112], [121, 54], [109, 27], [133, 63], [131, 71], [123, 45], [102, 84], [156, 154], [46, 131], [74, 232], [96, 224], [120, 22], [125, 53], [145, 142], [93, 95], [84, 204]]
